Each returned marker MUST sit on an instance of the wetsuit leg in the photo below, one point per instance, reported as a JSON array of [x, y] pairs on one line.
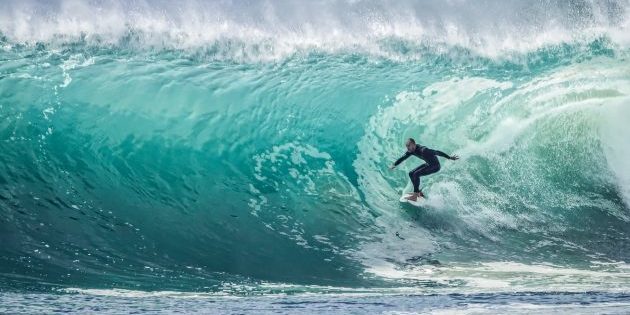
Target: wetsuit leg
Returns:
[[415, 180], [424, 169]]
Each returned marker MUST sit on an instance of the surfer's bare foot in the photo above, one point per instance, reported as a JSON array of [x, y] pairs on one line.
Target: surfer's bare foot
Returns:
[[412, 197]]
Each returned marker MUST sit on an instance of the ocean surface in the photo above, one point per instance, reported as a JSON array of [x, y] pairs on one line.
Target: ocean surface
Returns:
[[232, 157]]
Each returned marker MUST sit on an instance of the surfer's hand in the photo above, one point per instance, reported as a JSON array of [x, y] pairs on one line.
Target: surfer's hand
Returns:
[[454, 157], [392, 167]]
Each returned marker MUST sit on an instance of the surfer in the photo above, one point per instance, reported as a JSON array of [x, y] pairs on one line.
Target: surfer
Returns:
[[431, 166]]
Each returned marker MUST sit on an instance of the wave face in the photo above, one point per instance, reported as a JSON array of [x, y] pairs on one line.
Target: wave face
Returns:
[[236, 146]]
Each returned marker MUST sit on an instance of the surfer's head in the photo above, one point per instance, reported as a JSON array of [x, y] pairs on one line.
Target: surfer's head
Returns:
[[410, 144]]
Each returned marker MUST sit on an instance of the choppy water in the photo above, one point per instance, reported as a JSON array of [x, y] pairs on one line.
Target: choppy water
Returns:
[[240, 149], [116, 302]]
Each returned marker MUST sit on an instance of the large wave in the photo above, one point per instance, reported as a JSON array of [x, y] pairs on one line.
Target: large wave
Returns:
[[209, 145]]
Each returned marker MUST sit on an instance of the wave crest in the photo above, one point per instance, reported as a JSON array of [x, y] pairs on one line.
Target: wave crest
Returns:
[[271, 30]]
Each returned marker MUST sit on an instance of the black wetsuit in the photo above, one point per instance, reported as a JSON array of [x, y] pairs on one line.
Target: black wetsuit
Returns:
[[431, 166]]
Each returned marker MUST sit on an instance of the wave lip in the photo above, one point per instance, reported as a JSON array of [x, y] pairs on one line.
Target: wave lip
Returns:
[[271, 30]]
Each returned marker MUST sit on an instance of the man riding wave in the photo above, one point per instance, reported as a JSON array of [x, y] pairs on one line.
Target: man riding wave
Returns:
[[431, 166]]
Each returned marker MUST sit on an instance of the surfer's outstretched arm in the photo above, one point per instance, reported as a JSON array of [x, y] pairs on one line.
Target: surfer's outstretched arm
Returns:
[[402, 158], [442, 154]]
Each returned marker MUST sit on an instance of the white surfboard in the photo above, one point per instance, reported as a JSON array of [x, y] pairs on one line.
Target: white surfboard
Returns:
[[418, 203]]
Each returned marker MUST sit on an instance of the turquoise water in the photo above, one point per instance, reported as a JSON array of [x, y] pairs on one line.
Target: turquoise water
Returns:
[[241, 149]]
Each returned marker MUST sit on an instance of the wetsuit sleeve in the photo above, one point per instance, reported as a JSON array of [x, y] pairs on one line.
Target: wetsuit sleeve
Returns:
[[442, 154], [402, 158]]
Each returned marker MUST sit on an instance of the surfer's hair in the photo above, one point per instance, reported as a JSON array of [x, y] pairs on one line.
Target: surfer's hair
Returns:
[[411, 140]]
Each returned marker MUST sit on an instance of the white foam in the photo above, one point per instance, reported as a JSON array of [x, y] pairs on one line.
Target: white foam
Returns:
[[276, 29], [614, 133], [74, 62], [381, 145], [514, 276], [503, 117]]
